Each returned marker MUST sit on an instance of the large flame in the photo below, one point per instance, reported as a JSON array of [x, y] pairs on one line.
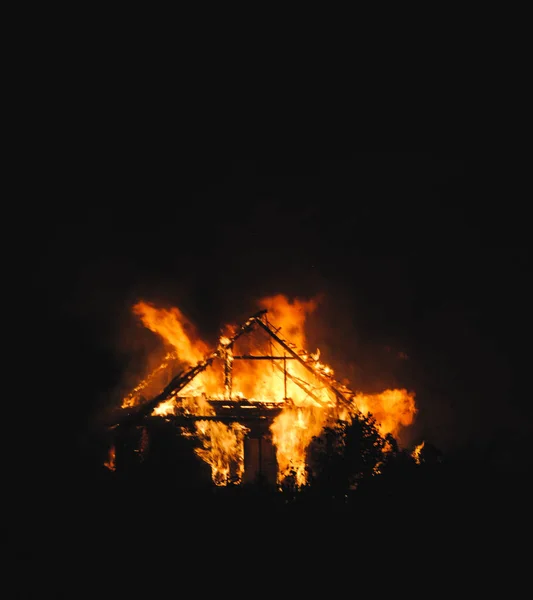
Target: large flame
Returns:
[[305, 400], [174, 328], [392, 409], [292, 432], [223, 450]]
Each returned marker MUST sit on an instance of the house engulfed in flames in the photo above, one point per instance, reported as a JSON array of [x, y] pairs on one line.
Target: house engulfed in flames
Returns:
[[256, 401]]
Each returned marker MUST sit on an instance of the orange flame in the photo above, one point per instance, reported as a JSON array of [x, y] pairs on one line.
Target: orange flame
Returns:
[[305, 399], [110, 463], [174, 328], [132, 398], [223, 450], [416, 452], [292, 432], [392, 409]]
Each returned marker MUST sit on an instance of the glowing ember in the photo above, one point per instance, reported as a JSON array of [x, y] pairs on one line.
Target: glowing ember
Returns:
[[110, 463], [260, 371]]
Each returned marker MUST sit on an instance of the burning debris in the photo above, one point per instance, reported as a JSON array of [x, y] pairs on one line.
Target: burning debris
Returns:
[[256, 394]]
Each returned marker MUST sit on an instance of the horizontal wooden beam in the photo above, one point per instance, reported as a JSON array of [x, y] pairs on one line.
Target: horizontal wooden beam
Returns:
[[255, 357]]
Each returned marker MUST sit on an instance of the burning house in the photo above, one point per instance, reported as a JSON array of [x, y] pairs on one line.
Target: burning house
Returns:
[[253, 404]]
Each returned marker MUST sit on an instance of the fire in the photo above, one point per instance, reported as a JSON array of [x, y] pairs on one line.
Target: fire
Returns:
[[392, 409], [174, 327], [416, 452], [132, 397], [269, 369], [165, 408], [110, 463], [223, 450], [292, 432], [290, 316]]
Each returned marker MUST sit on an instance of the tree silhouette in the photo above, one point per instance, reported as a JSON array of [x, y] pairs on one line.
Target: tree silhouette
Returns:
[[346, 454]]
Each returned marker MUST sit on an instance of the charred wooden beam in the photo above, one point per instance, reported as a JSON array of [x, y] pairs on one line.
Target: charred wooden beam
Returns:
[[300, 384], [227, 356], [329, 382], [230, 418], [182, 379], [256, 357]]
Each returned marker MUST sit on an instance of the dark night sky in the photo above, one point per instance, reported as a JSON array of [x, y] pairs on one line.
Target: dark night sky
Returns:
[[415, 252]]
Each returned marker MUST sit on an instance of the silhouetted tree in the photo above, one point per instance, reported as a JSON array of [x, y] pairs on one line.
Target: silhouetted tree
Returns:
[[430, 455], [346, 454]]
